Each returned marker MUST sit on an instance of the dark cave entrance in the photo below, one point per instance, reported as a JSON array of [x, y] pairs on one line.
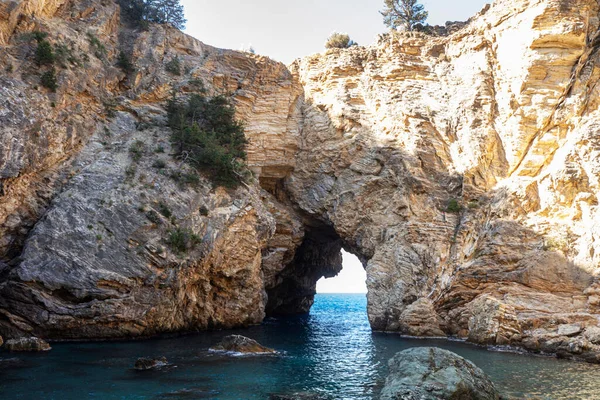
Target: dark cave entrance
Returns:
[[292, 290], [319, 255]]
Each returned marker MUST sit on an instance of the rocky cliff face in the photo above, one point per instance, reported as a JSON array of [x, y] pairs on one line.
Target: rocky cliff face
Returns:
[[462, 170]]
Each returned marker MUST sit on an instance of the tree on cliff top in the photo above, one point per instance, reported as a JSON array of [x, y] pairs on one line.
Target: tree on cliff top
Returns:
[[339, 41], [160, 11], [407, 13]]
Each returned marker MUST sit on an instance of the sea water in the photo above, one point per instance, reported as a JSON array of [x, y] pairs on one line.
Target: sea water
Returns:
[[331, 351]]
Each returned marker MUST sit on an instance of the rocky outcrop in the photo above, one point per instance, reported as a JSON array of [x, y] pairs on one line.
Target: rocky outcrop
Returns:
[[27, 344], [97, 261], [461, 169], [429, 373], [241, 344]]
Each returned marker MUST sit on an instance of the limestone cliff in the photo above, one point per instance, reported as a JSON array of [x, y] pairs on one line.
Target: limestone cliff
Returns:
[[462, 170]]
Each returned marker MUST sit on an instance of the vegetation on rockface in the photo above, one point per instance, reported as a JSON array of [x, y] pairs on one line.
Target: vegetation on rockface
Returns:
[[174, 66], [141, 12], [406, 13], [48, 80], [207, 136], [453, 206], [182, 240], [99, 49], [124, 62], [339, 41], [44, 53]]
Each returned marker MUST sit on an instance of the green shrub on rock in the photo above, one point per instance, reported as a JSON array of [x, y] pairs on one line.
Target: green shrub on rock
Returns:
[[207, 136], [44, 53], [48, 80], [339, 41]]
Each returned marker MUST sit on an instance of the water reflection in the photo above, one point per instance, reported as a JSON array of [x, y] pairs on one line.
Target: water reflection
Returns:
[[331, 351]]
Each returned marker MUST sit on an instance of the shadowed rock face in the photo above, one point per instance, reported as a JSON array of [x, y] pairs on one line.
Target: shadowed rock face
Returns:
[[462, 170]]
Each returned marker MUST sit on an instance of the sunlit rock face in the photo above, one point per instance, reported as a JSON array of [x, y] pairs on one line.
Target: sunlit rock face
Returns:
[[462, 170], [85, 228]]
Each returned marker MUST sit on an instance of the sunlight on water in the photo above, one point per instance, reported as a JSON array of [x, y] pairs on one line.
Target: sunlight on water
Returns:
[[331, 351]]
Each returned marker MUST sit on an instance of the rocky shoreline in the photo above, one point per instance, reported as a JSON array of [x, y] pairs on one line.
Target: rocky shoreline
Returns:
[[478, 223]]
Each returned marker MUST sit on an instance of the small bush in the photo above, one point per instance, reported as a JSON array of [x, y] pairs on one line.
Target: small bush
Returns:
[[163, 208], [130, 172], [153, 217], [453, 206], [64, 56], [136, 150], [182, 240], [203, 211], [48, 80], [99, 49], [159, 149], [174, 66], [44, 53], [38, 36], [339, 41], [159, 164], [124, 62]]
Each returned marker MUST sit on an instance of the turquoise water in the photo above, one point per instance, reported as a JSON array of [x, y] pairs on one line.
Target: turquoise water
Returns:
[[331, 351]]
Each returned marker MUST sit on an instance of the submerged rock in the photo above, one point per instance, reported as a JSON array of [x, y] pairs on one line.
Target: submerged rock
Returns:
[[429, 373], [144, 364], [242, 344], [27, 344]]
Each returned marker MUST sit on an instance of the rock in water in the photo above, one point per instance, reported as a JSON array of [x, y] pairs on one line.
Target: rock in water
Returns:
[[1, 341], [27, 344], [429, 373], [144, 364], [241, 344]]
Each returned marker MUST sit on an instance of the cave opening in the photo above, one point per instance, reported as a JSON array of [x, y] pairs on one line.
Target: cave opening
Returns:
[[352, 279], [320, 258]]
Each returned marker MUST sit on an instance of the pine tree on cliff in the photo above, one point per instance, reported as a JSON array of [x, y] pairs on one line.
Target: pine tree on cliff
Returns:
[[407, 13], [167, 12], [160, 11]]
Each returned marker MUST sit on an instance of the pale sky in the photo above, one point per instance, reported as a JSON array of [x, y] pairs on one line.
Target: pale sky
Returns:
[[352, 279], [286, 30]]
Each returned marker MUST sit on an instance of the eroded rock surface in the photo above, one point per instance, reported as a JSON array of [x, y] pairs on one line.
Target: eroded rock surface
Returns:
[[429, 373], [27, 344], [461, 169]]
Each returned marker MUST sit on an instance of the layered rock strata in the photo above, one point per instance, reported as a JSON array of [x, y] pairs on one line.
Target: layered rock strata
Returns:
[[462, 170]]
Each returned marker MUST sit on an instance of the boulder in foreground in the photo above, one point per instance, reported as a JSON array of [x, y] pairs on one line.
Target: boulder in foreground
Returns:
[[242, 344], [144, 364], [429, 373], [27, 344]]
